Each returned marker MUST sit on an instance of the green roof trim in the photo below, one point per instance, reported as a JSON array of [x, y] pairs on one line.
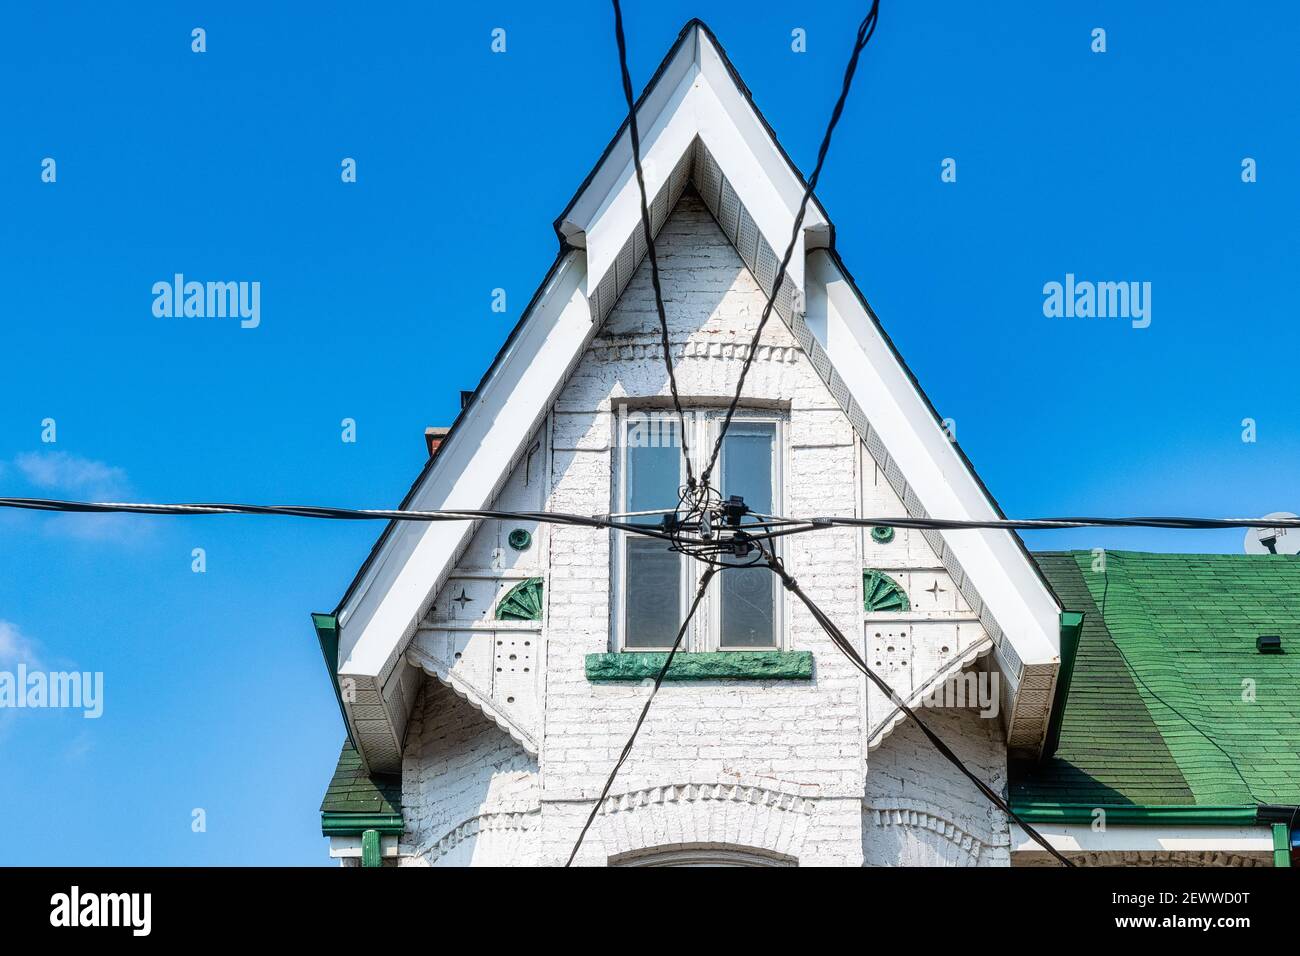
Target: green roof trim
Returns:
[[327, 633], [1186, 625], [355, 824], [716, 665], [1122, 814], [357, 801], [1071, 627]]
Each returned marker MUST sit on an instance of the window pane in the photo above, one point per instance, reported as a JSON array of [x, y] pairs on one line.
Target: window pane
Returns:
[[653, 574], [749, 595], [654, 462], [652, 578], [747, 463]]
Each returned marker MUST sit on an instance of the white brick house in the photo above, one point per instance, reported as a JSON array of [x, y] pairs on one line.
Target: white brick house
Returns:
[[495, 668]]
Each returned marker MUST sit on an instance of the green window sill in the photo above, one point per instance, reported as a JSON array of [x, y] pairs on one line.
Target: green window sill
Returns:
[[719, 665]]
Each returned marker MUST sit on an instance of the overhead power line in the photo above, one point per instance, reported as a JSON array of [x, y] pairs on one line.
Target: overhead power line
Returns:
[[765, 526]]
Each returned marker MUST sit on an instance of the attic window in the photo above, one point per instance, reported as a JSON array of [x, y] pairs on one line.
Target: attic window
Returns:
[[653, 583]]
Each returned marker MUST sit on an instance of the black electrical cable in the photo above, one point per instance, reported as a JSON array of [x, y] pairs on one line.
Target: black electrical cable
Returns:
[[789, 525], [1049, 524], [627, 748], [846, 647], [635, 135], [865, 31], [314, 511]]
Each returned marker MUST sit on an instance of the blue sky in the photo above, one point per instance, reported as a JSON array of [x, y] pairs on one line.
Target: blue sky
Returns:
[[376, 305]]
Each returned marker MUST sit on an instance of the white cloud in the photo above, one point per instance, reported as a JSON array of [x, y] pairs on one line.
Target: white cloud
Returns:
[[60, 474], [16, 648], [60, 471]]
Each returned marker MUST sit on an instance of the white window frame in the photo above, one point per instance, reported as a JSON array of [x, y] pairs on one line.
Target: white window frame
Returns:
[[703, 422]]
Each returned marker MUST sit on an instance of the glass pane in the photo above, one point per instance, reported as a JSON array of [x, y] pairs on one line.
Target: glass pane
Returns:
[[652, 578], [747, 463], [654, 463], [749, 595]]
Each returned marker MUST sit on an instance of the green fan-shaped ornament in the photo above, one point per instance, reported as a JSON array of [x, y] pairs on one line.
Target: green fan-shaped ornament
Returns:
[[523, 602], [880, 592]]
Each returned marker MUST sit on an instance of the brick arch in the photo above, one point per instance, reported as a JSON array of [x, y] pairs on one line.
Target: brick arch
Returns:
[[920, 834], [750, 817], [702, 854]]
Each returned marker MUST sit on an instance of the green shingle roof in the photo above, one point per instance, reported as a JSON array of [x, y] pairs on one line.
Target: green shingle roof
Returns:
[[352, 790], [1187, 624]]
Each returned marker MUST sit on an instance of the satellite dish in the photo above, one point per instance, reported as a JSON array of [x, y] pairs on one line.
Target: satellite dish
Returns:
[[1273, 540]]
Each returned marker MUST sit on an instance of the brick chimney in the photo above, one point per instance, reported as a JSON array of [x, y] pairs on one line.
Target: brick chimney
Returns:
[[433, 439]]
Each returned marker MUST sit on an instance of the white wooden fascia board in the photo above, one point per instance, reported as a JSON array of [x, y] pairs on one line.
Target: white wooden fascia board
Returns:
[[764, 189], [1121, 839], [696, 95], [758, 143], [758, 186], [384, 608], [997, 567], [618, 213], [652, 115]]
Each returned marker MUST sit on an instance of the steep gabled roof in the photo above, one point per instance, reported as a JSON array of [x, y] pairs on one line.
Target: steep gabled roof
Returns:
[[699, 124], [1187, 624]]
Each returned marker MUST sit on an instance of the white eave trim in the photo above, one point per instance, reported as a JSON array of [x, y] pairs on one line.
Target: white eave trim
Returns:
[[695, 95], [419, 656], [1082, 838], [955, 665]]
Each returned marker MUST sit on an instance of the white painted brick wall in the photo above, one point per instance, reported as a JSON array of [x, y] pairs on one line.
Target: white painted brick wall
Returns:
[[920, 810], [779, 766], [458, 770]]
